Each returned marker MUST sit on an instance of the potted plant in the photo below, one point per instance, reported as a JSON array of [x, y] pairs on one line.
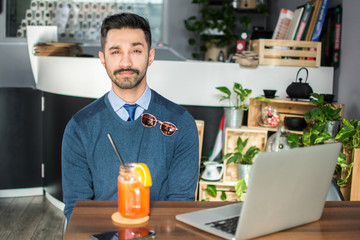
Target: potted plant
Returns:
[[323, 120], [244, 159], [324, 113], [215, 27], [349, 136], [235, 112]]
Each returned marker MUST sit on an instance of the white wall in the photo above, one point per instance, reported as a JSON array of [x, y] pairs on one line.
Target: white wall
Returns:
[[349, 71]]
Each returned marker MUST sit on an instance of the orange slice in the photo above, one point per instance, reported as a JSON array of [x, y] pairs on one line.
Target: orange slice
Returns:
[[143, 174]]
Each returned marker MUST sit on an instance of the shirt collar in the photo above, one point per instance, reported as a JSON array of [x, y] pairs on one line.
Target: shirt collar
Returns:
[[118, 103]]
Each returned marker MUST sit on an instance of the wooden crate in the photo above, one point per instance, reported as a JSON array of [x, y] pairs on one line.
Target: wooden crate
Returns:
[[284, 107], [257, 137], [287, 52], [355, 182], [228, 188]]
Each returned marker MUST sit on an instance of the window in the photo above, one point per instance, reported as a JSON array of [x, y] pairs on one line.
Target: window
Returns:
[[77, 19]]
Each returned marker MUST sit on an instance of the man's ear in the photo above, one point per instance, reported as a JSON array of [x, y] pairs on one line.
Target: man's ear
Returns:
[[151, 56], [102, 58]]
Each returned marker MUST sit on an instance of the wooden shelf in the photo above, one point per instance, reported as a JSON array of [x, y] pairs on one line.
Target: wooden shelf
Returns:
[[285, 107], [257, 137], [221, 186]]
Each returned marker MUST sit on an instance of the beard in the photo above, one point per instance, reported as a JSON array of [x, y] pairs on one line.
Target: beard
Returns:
[[128, 82]]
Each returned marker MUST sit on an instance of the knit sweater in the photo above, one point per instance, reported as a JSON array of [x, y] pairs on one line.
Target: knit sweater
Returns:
[[89, 164]]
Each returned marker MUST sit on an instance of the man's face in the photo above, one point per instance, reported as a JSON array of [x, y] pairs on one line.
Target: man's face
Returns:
[[126, 57]]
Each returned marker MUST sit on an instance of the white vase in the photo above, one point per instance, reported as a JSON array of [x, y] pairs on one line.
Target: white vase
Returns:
[[233, 117]]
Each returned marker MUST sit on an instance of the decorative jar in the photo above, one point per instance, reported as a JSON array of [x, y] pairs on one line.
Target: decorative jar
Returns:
[[269, 117]]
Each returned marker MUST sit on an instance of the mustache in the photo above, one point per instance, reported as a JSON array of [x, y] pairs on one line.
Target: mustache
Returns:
[[126, 70]]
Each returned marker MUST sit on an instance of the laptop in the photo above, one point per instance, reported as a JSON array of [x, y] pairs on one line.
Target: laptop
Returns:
[[286, 189]]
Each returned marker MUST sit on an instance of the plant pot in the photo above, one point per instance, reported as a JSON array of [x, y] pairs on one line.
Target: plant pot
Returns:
[[233, 117], [332, 127], [212, 53], [244, 172]]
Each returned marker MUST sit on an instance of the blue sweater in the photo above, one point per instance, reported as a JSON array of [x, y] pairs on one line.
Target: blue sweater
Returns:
[[90, 167]]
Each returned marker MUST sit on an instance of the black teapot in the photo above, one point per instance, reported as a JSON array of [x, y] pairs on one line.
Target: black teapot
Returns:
[[299, 89]]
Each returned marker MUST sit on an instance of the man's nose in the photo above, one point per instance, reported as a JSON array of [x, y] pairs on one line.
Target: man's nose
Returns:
[[125, 60]]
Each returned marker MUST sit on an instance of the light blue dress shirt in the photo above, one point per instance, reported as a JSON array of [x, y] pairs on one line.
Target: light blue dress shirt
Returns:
[[118, 104]]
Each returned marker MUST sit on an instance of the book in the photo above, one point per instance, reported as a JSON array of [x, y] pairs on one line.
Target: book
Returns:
[[320, 20], [282, 24], [304, 22], [314, 17], [331, 37], [337, 36], [326, 39], [290, 35]]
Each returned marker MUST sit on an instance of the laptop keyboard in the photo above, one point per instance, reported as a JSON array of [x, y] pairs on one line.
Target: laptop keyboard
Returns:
[[226, 225]]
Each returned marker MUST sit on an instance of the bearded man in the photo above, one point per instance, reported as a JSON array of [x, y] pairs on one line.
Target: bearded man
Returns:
[[131, 112]]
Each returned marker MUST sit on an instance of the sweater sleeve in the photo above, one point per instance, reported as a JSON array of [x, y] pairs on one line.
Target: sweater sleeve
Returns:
[[76, 175], [184, 169]]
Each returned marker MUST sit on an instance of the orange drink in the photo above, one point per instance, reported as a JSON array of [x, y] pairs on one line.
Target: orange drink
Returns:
[[134, 190]]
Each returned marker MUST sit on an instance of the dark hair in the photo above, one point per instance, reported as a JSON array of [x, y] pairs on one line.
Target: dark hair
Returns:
[[125, 20]]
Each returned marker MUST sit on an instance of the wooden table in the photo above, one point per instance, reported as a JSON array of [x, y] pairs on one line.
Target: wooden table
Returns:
[[340, 220]]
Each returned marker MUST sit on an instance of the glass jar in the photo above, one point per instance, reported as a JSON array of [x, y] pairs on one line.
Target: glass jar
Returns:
[[269, 117], [134, 191]]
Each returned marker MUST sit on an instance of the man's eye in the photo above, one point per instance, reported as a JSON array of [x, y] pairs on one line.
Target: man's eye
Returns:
[[137, 51], [114, 52]]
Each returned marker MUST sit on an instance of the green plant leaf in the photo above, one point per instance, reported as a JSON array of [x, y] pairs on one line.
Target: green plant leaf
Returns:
[[211, 190], [192, 41], [342, 160], [262, 99], [240, 144], [240, 188], [223, 196], [226, 156], [306, 138], [347, 122], [293, 139], [225, 90], [322, 138], [234, 159], [195, 55], [346, 132]]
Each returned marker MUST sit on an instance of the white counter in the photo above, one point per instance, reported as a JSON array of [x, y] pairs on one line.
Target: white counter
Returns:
[[184, 82]]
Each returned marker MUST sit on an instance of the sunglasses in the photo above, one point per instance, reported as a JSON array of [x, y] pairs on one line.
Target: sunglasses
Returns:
[[149, 121]]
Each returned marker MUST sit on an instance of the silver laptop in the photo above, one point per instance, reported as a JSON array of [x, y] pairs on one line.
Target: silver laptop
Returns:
[[286, 189]]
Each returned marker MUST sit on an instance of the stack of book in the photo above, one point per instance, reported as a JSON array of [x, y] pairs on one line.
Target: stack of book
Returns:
[[306, 22]]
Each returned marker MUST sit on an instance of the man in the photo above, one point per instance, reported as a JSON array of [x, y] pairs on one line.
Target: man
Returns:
[[89, 164]]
